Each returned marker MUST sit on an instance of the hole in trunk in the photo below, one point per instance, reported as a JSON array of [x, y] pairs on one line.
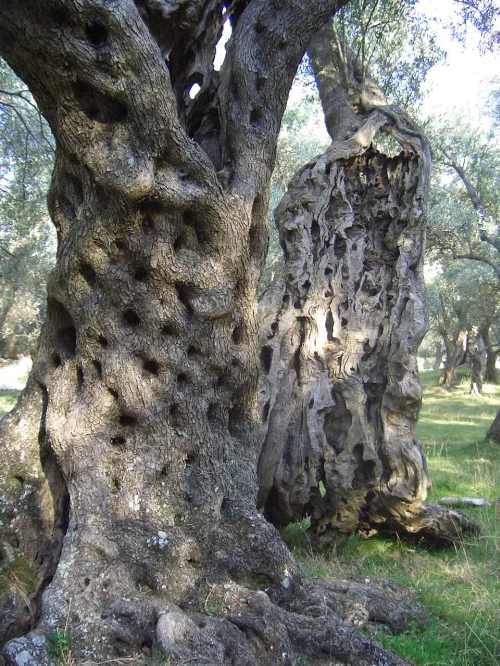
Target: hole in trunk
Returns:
[[97, 33], [140, 274], [175, 415], [148, 225], [97, 365], [97, 106], [102, 341], [266, 357], [329, 325], [88, 273], [61, 323], [127, 420], [183, 295], [256, 116], [119, 440], [131, 318], [237, 334], [151, 366], [191, 458], [339, 246], [212, 412]]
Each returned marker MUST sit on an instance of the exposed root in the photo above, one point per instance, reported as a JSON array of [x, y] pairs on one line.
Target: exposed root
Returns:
[[314, 618], [432, 525]]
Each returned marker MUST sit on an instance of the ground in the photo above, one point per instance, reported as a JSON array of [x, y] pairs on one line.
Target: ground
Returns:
[[459, 588]]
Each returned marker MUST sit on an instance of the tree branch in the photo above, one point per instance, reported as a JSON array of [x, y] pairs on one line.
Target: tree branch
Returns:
[[477, 257]]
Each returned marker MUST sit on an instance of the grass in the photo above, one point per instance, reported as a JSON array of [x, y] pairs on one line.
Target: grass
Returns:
[[8, 399], [460, 587]]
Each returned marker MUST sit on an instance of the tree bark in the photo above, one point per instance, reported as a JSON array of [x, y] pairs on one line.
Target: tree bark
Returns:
[[148, 363], [455, 348], [340, 392], [491, 372], [476, 355], [494, 430], [438, 357]]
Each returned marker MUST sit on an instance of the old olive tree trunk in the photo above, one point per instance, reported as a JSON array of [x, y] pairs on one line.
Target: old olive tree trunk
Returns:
[[128, 485], [340, 392]]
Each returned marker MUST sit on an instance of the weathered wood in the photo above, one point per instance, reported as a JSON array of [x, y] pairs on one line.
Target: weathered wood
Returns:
[[465, 501], [340, 391]]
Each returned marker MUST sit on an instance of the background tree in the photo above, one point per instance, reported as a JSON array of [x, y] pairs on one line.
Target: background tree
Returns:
[[465, 203], [464, 298], [26, 241]]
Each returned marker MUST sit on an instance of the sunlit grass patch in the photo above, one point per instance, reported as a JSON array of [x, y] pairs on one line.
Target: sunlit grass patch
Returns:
[[8, 399]]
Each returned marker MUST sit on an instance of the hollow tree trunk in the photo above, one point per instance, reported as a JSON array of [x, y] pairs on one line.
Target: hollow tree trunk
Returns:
[[340, 392], [148, 364]]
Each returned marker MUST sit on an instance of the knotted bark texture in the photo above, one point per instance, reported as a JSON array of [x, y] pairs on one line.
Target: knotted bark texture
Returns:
[[144, 394], [340, 391]]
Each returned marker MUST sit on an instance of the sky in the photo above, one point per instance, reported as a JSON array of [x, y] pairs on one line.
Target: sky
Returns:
[[464, 80], [461, 84]]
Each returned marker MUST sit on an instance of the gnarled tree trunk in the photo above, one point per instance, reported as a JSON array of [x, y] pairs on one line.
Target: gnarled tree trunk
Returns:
[[340, 392], [144, 403], [455, 356]]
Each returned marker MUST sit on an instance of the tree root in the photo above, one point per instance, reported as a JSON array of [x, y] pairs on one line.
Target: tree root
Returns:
[[315, 618], [430, 524]]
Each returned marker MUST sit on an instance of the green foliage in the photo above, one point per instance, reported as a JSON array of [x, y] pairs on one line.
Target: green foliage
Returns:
[[392, 41], [59, 646], [464, 201], [26, 237], [459, 587], [463, 295]]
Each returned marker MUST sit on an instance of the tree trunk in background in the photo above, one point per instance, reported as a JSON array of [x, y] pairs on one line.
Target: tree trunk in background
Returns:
[[476, 356], [455, 356], [494, 431], [138, 428], [340, 392], [438, 358], [491, 372]]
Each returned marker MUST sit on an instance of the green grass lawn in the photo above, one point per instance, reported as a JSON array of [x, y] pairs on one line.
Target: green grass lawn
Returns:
[[459, 587]]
